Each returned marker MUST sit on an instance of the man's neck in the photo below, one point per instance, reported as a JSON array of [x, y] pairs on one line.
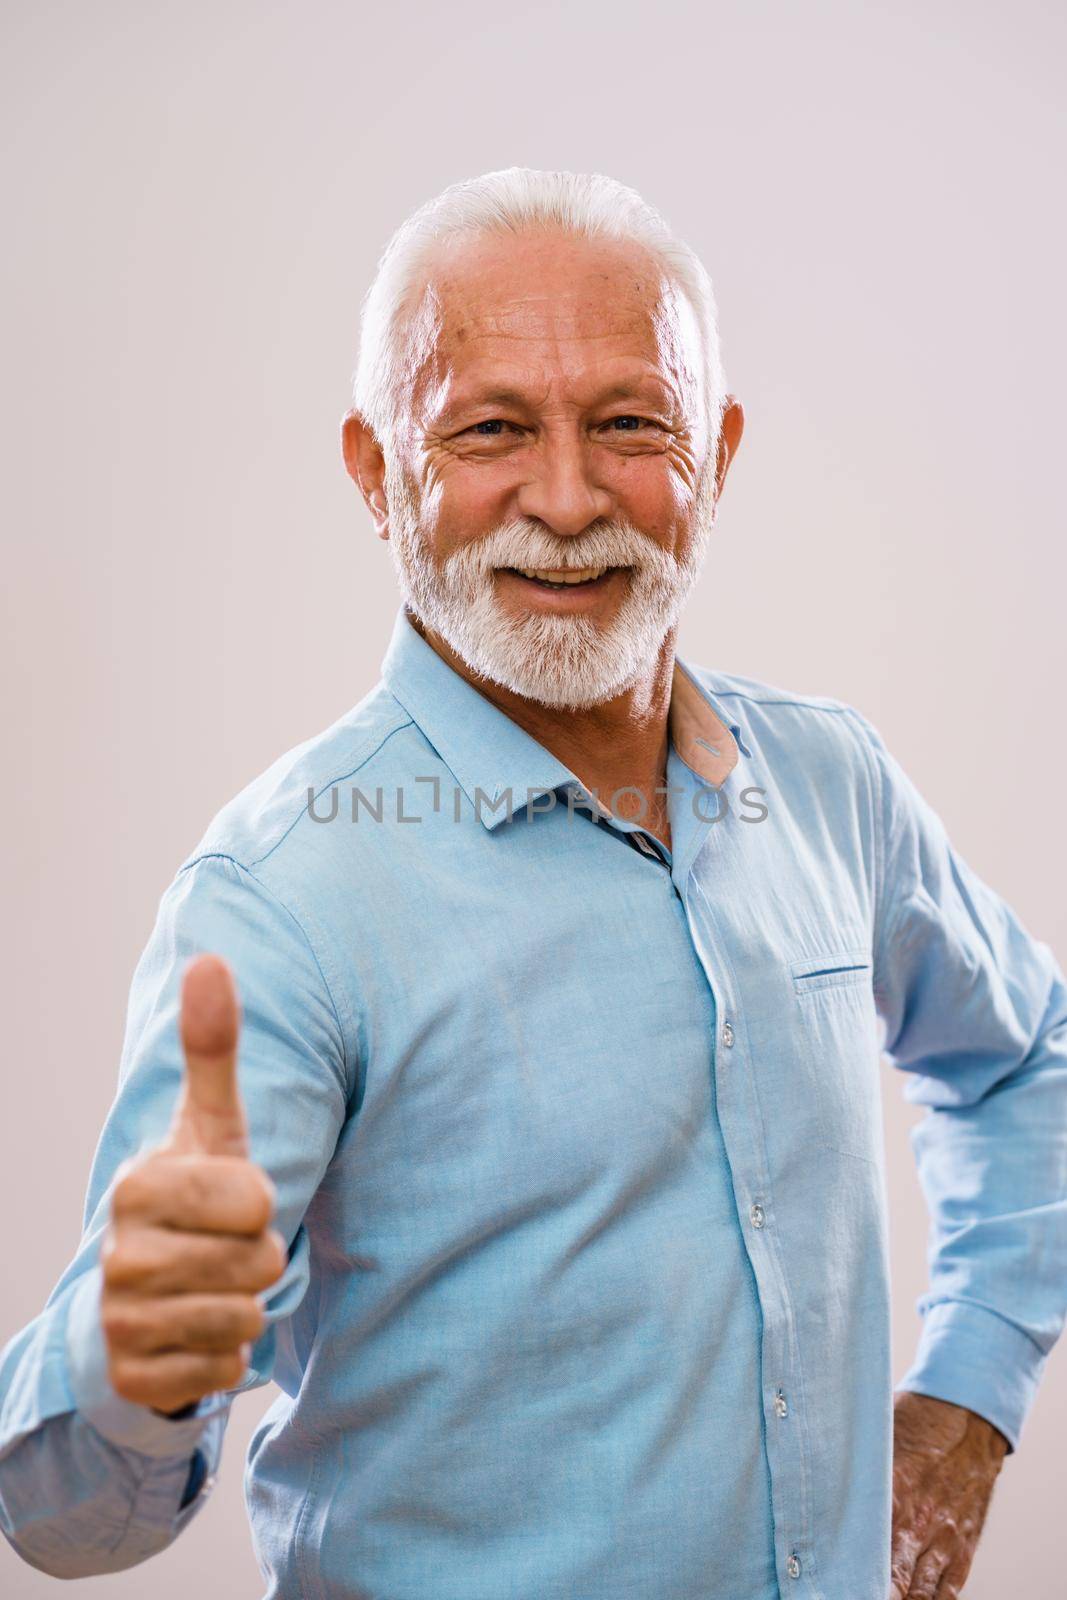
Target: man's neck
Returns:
[[620, 744]]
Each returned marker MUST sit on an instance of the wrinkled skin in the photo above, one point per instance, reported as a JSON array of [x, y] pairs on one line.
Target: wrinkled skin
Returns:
[[945, 1463], [558, 380]]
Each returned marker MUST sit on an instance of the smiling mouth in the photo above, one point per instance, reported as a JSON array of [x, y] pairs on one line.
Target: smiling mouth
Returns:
[[561, 577]]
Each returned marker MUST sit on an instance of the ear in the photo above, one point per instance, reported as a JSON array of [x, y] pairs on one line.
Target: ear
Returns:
[[733, 426], [365, 465]]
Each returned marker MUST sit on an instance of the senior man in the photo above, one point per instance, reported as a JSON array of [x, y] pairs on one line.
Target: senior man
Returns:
[[551, 1191]]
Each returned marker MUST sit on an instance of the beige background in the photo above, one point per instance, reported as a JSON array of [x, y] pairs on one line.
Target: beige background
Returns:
[[194, 197]]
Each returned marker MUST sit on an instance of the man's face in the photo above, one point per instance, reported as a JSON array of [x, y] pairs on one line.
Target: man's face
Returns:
[[555, 430]]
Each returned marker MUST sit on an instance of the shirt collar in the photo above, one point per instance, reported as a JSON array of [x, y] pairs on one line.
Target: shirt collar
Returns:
[[488, 753]]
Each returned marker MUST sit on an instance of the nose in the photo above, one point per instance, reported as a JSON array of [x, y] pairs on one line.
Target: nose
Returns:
[[562, 494]]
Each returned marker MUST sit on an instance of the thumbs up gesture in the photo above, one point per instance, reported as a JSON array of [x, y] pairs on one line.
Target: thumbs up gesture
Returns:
[[188, 1246]]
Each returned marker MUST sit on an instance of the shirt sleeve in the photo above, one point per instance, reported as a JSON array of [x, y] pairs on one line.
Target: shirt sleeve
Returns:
[[90, 1482], [975, 1010]]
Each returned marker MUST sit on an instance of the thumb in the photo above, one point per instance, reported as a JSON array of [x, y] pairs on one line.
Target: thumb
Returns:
[[210, 1116]]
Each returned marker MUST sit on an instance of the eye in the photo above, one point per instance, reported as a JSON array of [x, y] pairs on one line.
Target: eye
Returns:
[[491, 430], [628, 424]]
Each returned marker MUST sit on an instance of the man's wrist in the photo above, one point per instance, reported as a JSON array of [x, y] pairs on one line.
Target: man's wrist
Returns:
[[978, 1360], [120, 1421], [999, 1443]]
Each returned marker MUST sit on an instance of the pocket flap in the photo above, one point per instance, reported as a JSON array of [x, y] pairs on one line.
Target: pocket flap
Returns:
[[852, 965]]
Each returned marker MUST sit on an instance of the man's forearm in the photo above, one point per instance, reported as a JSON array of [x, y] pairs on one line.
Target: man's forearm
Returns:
[[74, 1505], [89, 1483]]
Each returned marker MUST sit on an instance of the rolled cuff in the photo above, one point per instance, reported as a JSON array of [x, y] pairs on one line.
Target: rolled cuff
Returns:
[[121, 1421], [975, 1358]]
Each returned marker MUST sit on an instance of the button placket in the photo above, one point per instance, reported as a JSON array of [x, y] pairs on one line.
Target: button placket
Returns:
[[785, 1446]]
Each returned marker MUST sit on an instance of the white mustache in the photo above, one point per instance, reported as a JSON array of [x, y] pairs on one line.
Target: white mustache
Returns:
[[525, 543]]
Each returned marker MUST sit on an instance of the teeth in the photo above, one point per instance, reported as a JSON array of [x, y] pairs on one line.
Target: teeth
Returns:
[[564, 575]]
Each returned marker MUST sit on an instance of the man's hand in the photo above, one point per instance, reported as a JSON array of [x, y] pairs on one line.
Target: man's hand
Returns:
[[945, 1462], [188, 1243]]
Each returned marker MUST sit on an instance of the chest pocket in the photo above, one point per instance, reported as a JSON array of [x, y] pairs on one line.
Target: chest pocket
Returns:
[[836, 1039], [836, 971]]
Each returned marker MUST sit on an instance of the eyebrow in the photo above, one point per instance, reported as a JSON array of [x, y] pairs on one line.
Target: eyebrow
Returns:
[[633, 391], [487, 397], [515, 398]]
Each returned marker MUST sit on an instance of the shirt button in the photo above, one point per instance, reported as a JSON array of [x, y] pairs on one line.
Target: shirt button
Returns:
[[792, 1566], [781, 1405], [727, 1034], [757, 1216]]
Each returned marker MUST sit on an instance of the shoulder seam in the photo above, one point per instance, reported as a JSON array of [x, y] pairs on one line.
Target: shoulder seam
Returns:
[[829, 704], [367, 754], [774, 696], [222, 855]]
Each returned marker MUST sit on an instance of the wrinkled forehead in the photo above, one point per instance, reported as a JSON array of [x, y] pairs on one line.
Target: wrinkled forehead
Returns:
[[561, 307]]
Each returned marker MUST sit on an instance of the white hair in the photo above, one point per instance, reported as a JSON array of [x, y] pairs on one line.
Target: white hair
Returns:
[[586, 205]]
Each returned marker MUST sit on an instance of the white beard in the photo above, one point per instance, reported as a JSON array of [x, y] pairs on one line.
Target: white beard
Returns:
[[562, 661]]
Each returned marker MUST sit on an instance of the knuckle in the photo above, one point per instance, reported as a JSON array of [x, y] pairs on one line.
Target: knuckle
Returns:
[[109, 1247], [231, 1369], [281, 1260], [261, 1195], [127, 1381], [275, 1254], [255, 1319], [130, 1191], [900, 1575], [242, 1321], [119, 1262], [117, 1321]]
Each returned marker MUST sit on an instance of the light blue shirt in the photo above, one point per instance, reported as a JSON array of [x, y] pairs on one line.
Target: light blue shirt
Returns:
[[578, 1152]]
